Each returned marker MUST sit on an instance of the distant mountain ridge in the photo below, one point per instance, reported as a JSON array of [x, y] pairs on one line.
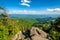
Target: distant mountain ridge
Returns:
[[32, 16]]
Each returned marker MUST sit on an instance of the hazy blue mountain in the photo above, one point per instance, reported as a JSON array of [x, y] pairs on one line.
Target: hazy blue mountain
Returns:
[[32, 16]]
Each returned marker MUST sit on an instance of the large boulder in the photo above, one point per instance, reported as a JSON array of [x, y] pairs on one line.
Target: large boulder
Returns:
[[38, 34]]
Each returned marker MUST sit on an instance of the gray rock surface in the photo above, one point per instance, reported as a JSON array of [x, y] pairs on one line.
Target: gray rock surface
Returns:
[[32, 34], [38, 34]]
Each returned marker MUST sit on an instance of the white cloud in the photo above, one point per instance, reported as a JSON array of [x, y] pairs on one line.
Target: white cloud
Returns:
[[45, 11], [54, 10], [25, 3], [17, 11], [50, 10]]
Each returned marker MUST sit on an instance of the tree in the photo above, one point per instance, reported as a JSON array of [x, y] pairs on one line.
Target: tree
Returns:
[[57, 24], [3, 14], [55, 30]]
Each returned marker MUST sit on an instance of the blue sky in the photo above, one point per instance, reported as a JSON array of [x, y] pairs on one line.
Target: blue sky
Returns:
[[36, 6]]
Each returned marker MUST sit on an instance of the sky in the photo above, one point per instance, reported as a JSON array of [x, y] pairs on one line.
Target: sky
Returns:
[[31, 6]]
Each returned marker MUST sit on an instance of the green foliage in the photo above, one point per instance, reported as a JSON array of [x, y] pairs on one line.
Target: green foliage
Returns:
[[52, 27], [10, 26], [24, 23], [55, 31], [8, 29]]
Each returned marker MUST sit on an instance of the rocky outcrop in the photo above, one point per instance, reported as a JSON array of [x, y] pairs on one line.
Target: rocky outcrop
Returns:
[[38, 34], [33, 34]]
